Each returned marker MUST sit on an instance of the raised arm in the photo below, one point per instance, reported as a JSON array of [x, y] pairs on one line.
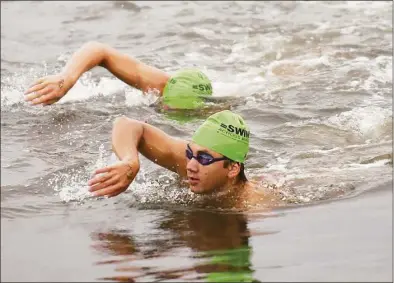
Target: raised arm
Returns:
[[129, 137], [50, 89]]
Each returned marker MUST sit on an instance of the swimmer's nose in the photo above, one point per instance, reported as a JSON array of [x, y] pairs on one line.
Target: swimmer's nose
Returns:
[[192, 165]]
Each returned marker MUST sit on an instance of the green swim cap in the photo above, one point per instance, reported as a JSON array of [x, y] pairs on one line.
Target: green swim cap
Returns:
[[226, 133], [186, 89]]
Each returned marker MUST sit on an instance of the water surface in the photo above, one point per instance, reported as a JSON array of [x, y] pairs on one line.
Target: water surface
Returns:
[[312, 79]]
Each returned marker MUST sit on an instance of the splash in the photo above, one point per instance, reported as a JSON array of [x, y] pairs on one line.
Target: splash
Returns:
[[72, 185], [381, 75], [372, 122], [296, 187], [135, 97]]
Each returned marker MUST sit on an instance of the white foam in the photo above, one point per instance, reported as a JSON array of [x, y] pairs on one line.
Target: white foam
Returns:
[[381, 72], [84, 89], [10, 97], [365, 6], [13, 87], [297, 65], [135, 97], [72, 186], [77, 93], [366, 121], [207, 33]]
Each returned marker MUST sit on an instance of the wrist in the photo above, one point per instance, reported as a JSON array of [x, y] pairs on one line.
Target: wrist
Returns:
[[131, 162], [68, 81], [133, 167]]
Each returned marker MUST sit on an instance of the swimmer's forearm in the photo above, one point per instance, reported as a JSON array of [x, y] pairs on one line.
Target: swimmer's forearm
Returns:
[[91, 54], [131, 137], [126, 136]]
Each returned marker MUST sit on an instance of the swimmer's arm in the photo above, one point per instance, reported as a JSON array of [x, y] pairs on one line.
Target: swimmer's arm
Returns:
[[124, 67], [133, 72], [131, 136]]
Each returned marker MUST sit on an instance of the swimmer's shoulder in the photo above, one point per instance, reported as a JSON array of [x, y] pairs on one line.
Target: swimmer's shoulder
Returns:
[[259, 193]]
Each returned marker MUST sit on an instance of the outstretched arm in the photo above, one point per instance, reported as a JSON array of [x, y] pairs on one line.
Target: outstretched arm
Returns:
[[129, 137], [50, 89]]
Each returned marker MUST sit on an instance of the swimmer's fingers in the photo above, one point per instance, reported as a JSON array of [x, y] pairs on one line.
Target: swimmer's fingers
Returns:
[[45, 99], [122, 174], [35, 87], [45, 95], [38, 93], [48, 89], [105, 184], [49, 102], [99, 179], [39, 81], [104, 170], [110, 191]]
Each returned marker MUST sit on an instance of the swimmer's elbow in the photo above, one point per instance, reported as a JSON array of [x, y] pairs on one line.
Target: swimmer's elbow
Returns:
[[100, 51], [127, 123], [95, 46], [128, 130]]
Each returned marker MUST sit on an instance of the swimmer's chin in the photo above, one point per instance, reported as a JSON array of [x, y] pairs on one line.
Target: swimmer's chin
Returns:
[[197, 190], [196, 187]]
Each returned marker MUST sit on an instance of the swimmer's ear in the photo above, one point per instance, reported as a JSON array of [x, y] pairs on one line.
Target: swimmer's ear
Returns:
[[234, 169]]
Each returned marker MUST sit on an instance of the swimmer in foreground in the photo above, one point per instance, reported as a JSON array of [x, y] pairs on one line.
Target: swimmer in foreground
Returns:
[[212, 162], [185, 90]]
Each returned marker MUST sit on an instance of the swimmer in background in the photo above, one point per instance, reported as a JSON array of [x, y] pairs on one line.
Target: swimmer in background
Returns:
[[187, 89], [212, 162]]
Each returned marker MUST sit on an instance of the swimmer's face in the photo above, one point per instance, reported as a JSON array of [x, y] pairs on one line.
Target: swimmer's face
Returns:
[[205, 178]]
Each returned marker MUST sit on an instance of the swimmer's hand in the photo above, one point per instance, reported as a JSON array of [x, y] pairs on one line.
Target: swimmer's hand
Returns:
[[48, 90], [114, 180]]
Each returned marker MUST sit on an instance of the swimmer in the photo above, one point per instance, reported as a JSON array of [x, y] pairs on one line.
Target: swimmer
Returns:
[[184, 90], [212, 162]]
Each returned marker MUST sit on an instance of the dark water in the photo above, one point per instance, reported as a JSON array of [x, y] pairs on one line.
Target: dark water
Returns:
[[312, 79]]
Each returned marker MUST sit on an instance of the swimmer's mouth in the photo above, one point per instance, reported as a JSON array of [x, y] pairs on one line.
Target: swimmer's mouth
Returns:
[[193, 181]]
